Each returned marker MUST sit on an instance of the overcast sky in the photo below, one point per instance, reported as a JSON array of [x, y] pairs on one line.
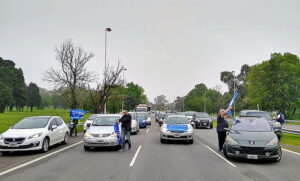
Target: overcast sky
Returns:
[[168, 46]]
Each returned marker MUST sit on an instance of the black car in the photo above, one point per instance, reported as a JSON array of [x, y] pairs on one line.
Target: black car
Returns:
[[203, 120], [255, 113], [252, 138]]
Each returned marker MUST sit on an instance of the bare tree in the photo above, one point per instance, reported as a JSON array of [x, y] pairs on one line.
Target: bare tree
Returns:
[[103, 90], [72, 73]]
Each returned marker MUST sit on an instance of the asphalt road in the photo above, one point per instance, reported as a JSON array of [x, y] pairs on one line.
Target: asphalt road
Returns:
[[154, 162]]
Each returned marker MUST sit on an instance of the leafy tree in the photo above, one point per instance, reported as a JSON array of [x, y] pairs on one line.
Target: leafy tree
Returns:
[[134, 96], [46, 98], [5, 96], [34, 97], [161, 102]]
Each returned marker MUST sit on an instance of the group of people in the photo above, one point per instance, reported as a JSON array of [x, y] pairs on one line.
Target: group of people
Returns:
[[222, 124]]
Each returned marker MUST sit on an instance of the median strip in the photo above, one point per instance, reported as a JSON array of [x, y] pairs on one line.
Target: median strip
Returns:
[[135, 156], [221, 157], [37, 159]]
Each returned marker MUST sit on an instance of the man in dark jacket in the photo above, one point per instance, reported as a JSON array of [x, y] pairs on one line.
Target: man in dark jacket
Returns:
[[221, 125], [126, 129], [280, 119]]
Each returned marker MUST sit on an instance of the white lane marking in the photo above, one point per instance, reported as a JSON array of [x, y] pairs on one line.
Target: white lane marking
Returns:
[[147, 130], [291, 151], [221, 157], [38, 159], [135, 156]]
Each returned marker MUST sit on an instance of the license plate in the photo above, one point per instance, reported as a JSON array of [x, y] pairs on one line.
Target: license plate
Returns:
[[100, 141], [253, 157], [13, 144], [204, 124]]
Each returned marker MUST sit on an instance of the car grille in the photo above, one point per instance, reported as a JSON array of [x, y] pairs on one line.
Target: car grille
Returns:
[[20, 147], [101, 135], [10, 140], [177, 137], [176, 131], [253, 150]]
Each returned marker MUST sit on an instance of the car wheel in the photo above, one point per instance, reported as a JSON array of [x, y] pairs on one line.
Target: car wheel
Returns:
[[66, 138], [5, 152], [86, 148], [211, 126], [191, 141], [162, 140], [225, 151], [45, 146], [279, 155]]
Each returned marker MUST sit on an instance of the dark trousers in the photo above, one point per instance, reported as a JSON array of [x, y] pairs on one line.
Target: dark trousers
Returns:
[[221, 138], [127, 134]]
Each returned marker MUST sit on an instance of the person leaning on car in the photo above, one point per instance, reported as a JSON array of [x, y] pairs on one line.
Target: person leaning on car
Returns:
[[280, 119], [221, 125], [126, 129]]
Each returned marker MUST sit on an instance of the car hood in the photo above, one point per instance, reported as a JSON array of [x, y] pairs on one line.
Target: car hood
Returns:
[[142, 119], [256, 138], [177, 127], [16, 133], [203, 119], [101, 129]]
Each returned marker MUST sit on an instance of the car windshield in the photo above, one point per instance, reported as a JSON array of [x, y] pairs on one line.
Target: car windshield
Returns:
[[92, 117], [177, 120], [141, 109], [140, 115], [161, 115], [202, 115], [31, 123], [147, 115], [259, 114], [133, 116], [189, 114], [105, 121], [251, 125]]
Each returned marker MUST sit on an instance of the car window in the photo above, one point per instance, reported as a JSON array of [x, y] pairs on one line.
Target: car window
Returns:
[[31, 123], [59, 122], [92, 117], [133, 115], [255, 125], [202, 115], [259, 114], [53, 122], [105, 121]]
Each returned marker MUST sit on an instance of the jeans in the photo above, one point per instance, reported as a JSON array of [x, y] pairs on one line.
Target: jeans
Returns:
[[221, 138], [127, 133]]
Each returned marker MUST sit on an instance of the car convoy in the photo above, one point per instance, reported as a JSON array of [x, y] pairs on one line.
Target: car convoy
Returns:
[[252, 135]]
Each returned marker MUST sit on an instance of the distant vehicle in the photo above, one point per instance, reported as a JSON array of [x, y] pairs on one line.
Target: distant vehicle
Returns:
[[180, 113], [135, 127], [190, 114], [89, 120], [34, 133], [176, 127], [255, 113], [161, 118], [101, 132], [252, 138], [142, 108], [142, 119], [202, 119], [148, 118]]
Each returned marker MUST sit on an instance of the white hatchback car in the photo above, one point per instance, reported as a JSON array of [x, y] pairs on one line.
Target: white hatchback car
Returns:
[[34, 133]]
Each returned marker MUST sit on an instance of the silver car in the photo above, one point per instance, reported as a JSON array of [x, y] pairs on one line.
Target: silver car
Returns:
[[34, 133], [89, 120], [135, 127], [101, 132], [176, 127]]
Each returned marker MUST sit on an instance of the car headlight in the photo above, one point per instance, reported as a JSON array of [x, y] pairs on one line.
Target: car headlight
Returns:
[[190, 129], [88, 135], [1, 137], [231, 141], [273, 142], [35, 135], [164, 128], [114, 134]]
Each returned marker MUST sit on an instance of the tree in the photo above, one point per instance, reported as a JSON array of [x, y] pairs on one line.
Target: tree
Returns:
[[179, 103], [73, 73], [134, 96], [46, 98], [274, 84], [161, 102], [5, 96], [34, 97]]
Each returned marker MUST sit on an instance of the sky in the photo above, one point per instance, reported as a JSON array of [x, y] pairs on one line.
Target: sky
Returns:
[[167, 46]]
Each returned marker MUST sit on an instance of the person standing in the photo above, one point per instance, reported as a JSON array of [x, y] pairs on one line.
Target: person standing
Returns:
[[280, 119], [221, 125], [126, 129]]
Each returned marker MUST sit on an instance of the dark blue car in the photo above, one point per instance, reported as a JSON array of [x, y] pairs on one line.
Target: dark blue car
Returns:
[[142, 120]]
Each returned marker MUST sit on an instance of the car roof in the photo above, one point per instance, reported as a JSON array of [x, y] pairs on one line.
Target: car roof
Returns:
[[253, 111], [176, 115], [48, 117], [107, 115], [250, 118]]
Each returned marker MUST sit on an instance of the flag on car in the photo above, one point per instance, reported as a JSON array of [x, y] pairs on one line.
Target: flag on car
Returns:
[[117, 131]]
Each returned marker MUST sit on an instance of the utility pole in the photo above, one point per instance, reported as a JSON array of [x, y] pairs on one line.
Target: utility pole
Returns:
[[106, 30]]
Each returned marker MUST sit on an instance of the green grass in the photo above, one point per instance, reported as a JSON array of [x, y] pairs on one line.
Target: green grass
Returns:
[[291, 139], [8, 119], [296, 123]]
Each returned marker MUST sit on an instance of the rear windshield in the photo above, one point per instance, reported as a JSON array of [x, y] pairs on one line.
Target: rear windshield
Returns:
[[93, 117], [177, 120], [189, 114], [133, 115], [140, 115], [255, 125], [31, 123]]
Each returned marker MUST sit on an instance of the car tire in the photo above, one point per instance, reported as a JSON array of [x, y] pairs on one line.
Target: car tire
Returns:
[[279, 157], [211, 126], [5, 152], [225, 152], [45, 145], [191, 141], [66, 138], [86, 148], [162, 140]]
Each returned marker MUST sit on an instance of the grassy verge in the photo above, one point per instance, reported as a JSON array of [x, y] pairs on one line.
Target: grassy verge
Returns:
[[8, 119], [291, 139], [295, 123]]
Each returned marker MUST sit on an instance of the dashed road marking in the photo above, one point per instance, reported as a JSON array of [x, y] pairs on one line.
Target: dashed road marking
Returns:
[[147, 130], [135, 156]]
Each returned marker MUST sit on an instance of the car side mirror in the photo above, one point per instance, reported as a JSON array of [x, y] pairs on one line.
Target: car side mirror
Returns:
[[53, 127], [88, 125]]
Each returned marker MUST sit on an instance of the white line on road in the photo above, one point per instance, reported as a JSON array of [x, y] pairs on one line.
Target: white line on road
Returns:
[[38, 159], [221, 157], [135, 156], [147, 130], [291, 151]]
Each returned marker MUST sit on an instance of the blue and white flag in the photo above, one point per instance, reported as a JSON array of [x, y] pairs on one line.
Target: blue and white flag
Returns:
[[232, 101], [117, 131], [76, 114]]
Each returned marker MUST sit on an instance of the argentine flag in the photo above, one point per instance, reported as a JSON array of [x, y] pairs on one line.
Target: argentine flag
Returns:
[[232, 101], [117, 131]]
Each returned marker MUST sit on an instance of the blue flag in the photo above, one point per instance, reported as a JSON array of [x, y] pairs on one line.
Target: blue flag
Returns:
[[76, 114], [117, 131], [232, 101]]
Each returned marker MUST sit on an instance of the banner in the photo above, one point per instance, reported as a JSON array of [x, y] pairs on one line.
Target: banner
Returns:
[[117, 131], [76, 114], [232, 101]]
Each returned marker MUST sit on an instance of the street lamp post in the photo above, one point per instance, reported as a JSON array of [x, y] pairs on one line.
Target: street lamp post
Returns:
[[106, 30], [124, 69]]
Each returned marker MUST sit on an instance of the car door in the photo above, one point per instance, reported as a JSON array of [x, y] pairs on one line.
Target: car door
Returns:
[[61, 129], [53, 134]]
